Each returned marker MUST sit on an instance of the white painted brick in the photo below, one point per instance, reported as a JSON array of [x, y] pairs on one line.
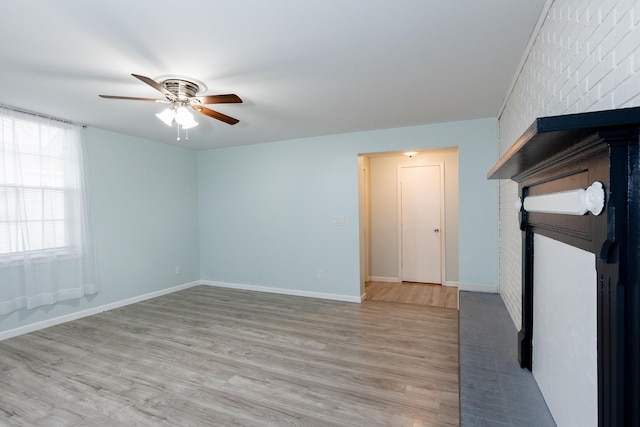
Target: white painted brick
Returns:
[[586, 57], [584, 11], [624, 7], [616, 34], [596, 14], [587, 66], [567, 59], [634, 102], [582, 40], [607, 102], [617, 76], [604, 67], [627, 90], [575, 65], [602, 30], [571, 27], [564, 86], [576, 93], [626, 45], [591, 98], [608, 9]]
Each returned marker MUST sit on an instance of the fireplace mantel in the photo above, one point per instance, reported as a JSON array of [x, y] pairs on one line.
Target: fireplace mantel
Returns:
[[559, 156]]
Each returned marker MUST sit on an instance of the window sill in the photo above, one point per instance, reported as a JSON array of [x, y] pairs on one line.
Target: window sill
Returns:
[[37, 257]]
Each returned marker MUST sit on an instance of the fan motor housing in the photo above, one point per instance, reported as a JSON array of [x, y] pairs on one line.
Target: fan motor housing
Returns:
[[182, 89]]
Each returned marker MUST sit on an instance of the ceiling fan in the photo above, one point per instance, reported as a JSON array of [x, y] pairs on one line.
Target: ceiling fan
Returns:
[[182, 95]]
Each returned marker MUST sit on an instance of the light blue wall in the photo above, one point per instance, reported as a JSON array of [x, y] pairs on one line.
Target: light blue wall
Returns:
[[259, 215], [144, 197], [266, 210]]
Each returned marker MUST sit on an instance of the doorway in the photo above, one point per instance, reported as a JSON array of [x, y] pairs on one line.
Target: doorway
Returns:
[[380, 215]]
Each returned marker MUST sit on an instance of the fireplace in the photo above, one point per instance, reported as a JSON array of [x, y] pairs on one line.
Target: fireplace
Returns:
[[579, 185]]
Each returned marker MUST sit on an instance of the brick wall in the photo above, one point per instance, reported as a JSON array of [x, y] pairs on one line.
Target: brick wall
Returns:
[[586, 57]]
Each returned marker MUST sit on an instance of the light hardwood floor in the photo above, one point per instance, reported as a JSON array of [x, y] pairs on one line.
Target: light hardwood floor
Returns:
[[213, 356], [413, 293]]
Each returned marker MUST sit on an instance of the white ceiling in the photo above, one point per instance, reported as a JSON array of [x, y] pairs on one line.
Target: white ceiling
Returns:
[[303, 68]]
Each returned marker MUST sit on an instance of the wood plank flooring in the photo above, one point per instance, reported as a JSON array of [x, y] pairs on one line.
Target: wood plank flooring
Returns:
[[211, 356], [413, 293]]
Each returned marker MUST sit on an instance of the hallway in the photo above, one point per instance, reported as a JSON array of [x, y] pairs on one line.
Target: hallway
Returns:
[[413, 293]]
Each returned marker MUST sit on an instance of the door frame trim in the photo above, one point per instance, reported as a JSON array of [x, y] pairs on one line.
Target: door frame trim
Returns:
[[443, 239]]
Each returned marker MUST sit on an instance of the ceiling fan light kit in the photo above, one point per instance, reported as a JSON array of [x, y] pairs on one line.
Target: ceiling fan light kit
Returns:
[[182, 94], [183, 116], [167, 116], [189, 124]]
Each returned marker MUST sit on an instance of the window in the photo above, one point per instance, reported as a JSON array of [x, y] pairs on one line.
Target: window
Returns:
[[46, 249], [34, 188]]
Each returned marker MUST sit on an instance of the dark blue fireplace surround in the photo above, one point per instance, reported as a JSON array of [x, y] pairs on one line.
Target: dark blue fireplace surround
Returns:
[[567, 152]]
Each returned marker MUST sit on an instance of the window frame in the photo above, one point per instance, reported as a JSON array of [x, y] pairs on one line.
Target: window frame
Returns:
[[67, 249]]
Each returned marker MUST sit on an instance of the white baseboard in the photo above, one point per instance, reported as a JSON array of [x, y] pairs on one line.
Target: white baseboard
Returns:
[[117, 304], [91, 311], [476, 287], [283, 291], [452, 284], [384, 279]]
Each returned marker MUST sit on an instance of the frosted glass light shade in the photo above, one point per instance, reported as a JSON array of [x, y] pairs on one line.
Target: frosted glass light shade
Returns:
[[167, 116], [190, 124], [183, 116]]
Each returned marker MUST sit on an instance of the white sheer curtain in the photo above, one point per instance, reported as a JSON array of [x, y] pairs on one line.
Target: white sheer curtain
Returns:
[[46, 242]]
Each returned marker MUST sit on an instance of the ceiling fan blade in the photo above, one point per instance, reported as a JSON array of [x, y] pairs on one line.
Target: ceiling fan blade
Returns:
[[132, 98], [214, 114], [157, 86], [219, 99]]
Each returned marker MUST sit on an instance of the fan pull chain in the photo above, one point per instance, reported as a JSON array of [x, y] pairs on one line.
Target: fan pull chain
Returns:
[[186, 132]]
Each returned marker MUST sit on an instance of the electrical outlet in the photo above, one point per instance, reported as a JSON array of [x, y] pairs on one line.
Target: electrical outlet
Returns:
[[178, 269], [320, 275]]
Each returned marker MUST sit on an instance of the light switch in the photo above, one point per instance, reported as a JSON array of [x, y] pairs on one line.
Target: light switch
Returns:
[[337, 220]]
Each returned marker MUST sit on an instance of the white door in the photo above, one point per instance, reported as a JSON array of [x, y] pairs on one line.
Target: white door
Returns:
[[420, 223]]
